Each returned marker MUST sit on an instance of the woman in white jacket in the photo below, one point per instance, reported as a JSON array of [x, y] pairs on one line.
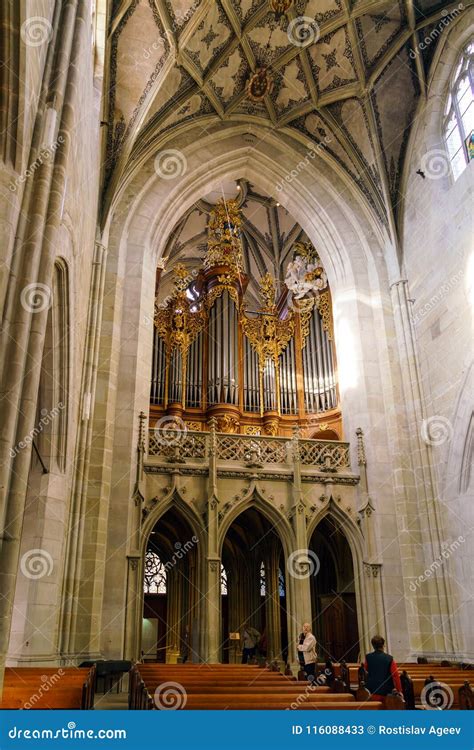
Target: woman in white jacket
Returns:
[[308, 647]]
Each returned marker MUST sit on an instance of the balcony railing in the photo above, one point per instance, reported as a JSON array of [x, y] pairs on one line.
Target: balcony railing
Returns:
[[177, 446]]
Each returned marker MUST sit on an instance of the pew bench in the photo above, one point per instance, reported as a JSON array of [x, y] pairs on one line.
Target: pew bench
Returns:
[[48, 687]]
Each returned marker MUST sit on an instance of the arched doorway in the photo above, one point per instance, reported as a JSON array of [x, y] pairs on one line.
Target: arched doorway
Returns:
[[171, 592], [255, 591], [333, 597]]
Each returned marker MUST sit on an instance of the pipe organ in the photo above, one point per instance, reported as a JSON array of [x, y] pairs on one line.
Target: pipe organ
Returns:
[[255, 371]]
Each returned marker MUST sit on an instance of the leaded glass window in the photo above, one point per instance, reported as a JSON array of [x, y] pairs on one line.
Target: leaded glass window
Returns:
[[154, 581], [459, 114]]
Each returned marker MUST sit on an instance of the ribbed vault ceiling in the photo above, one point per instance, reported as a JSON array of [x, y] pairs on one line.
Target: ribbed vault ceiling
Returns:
[[354, 89], [268, 236]]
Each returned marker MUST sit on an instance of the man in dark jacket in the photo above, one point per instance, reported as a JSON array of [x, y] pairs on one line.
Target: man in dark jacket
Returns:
[[382, 671]]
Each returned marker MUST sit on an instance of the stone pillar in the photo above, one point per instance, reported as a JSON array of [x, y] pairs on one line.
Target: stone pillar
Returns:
[[372, 561], [22, 340], [273, 604], [418, 506], [174, 592], [298, 566], [85, 533], [213, 572], [235, 583], [134, 601]]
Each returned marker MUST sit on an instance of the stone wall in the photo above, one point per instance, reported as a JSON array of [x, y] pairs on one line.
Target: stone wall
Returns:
[[438, 259]]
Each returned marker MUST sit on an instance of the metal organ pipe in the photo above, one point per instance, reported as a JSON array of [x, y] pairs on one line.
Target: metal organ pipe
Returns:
[[315, 350], [330, 359], [225, 348], [319, 359], [325, 363], [308, 369], [293, 377]]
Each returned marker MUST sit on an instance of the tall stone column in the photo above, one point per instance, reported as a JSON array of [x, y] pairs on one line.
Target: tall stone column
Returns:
[[174, 592], [23, 333], [133, 602], [213, 572], [419, 507], [273, 604], [299, 566], [78, 533], [372, 563]]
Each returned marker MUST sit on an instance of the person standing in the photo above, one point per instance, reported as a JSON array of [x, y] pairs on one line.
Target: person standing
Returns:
[[301, 638], [308, 649], [382, 672], [250, 638]]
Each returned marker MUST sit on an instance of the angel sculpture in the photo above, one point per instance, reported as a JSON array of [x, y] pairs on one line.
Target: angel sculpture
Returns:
[[305, 276]]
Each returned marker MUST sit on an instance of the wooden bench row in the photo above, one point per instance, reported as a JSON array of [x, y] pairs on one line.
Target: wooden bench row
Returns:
[[48, 688], [229, 687]]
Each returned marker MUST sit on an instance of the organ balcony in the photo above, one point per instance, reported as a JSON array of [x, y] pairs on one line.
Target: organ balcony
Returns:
[[318, 460]]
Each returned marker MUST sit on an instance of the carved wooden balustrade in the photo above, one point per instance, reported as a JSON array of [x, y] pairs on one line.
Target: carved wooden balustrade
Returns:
[[183, 446]]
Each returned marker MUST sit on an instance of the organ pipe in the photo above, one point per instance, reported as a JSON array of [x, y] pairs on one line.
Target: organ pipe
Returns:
[[318, 368], [255, 361]]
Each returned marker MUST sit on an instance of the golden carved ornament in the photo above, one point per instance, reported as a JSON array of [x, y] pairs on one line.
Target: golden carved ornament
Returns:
[[323, 303], [193, 426], [226, 283], [227, 423], [176, 324], [267, 291], [252, 429], [267, 333], [271, 428], [223, 244]]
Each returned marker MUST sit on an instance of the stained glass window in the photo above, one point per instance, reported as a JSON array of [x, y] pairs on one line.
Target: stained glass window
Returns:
[[459, 113], [154, 581], [263, 585], [281, 582], [223, 581]]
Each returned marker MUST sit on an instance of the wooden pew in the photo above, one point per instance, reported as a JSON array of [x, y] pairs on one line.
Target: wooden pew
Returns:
[[223, 687], [48, 687]]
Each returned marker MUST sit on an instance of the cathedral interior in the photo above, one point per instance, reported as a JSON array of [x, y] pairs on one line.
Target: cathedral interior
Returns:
[[237, 299]]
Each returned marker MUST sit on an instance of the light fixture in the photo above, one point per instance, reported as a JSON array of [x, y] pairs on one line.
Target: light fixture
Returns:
[[280, 7]]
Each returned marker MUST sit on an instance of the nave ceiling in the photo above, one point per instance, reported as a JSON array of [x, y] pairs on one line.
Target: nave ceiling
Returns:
[[353, 89]]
